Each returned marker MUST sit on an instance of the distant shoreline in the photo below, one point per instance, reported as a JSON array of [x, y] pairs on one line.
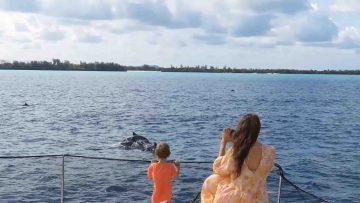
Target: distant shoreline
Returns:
[[277, 71], [58, 65]]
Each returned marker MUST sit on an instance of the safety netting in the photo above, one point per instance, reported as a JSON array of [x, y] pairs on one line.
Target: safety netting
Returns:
[[290, 192], [30, 179], [98, 179]]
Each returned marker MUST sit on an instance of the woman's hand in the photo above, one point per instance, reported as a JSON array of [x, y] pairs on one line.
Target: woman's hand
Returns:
[[225, 138], [226, 135]]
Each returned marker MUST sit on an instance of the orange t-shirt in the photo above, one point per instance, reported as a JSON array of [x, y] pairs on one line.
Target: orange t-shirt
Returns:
[[161, 173]]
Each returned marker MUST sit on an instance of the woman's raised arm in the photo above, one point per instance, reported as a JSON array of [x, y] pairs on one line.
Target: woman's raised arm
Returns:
[[225, 138]]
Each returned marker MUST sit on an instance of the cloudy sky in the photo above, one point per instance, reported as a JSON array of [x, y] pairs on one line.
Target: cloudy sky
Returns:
[[301, 34]]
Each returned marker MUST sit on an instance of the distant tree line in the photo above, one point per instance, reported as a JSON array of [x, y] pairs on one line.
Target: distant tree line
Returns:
[[56, 64], [225, 69]]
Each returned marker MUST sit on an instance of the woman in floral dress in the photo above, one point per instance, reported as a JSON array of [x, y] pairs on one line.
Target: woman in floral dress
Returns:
[[240, 173]]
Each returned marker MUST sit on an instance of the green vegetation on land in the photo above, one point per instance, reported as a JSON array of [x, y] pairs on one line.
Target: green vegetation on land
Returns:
[[56, 64]]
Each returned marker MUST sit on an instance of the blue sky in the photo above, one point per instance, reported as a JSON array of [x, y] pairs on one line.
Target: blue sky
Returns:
[[299, 34]]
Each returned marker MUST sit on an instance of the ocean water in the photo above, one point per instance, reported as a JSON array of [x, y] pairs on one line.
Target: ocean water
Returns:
[[313, 121]]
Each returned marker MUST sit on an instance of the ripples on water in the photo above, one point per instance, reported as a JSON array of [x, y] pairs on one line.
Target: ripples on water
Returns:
[[312, 120]]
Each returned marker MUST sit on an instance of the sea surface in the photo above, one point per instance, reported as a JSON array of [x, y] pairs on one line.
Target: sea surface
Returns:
[[313, 121]]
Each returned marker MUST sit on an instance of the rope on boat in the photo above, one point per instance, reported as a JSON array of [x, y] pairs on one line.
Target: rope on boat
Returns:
[[281, 171], [99, 158], [35, 156], [282, 174]]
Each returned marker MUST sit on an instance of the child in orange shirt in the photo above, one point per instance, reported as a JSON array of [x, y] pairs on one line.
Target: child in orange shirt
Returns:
[[161, 172]]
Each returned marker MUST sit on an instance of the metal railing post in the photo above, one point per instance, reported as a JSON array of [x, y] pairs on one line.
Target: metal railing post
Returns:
[[279, 189], [62, 178]]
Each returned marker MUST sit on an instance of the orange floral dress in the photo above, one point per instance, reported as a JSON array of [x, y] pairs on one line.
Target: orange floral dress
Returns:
[[250, 187]]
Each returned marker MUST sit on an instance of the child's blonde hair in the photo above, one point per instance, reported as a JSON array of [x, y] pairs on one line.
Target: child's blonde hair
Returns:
[[162, 150]]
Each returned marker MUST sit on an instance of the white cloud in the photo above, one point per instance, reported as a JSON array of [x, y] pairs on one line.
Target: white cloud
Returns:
[[32, 46], [315, 6], [123, 26], [248, 26], [317, 28], [21, 5], [22, 40], [53, 34], [276, 6], [173, 31], [78, 9], [252, 42], [21, 27], [349, 38], [89, 36], [211, 39], [346, 6]]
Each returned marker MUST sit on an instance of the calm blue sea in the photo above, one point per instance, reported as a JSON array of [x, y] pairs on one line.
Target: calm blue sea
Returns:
[[313, 121]]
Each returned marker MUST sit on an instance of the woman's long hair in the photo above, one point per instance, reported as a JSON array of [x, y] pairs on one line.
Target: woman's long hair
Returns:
[[247, 132]]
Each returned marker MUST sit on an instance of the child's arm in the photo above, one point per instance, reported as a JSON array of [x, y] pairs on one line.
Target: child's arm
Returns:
[[177, 166], [150, 169]]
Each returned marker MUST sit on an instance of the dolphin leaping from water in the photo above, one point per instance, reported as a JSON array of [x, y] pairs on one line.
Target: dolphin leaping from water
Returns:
[[138, 142]]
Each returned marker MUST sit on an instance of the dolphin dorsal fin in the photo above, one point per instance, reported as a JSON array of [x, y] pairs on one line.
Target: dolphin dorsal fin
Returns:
[[134, 133]]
